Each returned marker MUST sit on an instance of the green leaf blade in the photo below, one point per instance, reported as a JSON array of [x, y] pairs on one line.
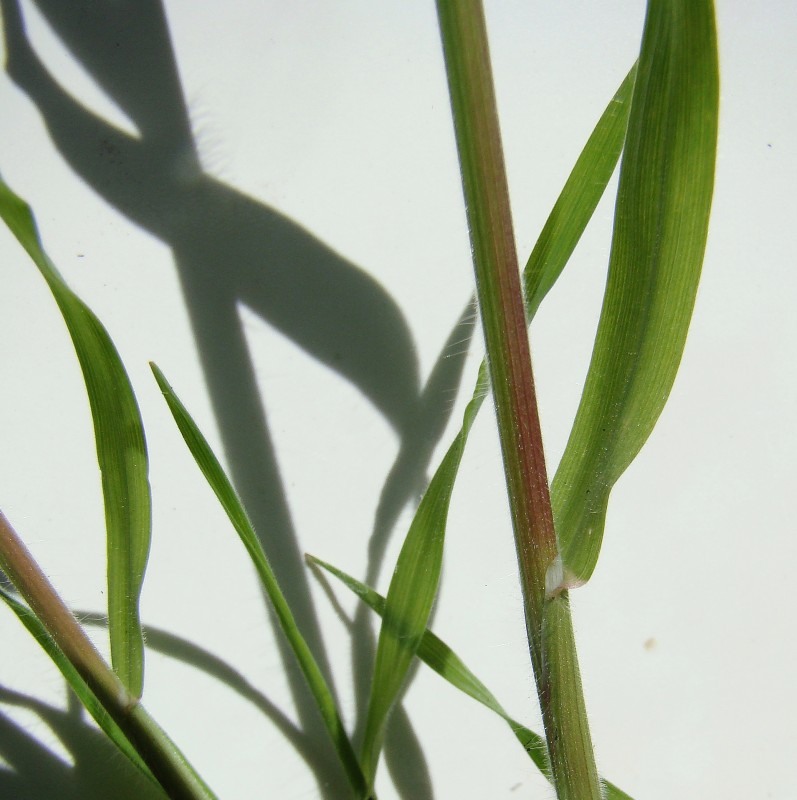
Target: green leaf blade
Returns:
[[562, 231], [661, 225], [435, 653], [121, 450], [211, 468], [579, 198], [413, 589], [408, 605]]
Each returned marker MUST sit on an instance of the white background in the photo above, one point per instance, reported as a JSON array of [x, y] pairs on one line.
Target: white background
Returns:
[[336, 116]]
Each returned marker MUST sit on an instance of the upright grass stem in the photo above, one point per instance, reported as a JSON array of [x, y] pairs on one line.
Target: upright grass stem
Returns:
[[547, 612], [158, 752]]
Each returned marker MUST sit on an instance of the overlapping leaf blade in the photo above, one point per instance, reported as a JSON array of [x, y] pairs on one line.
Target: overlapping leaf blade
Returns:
[[414, 584], [436, 654], [227, 496], [121, 450], [661, 224]]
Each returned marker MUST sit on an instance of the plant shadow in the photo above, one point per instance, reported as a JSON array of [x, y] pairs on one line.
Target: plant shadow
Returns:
[[36, 772], [231, 250]]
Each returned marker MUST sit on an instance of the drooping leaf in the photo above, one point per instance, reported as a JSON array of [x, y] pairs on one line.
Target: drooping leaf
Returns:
[[436, 654], [121, 450], [227, 496], [661, 225], [76, 683]]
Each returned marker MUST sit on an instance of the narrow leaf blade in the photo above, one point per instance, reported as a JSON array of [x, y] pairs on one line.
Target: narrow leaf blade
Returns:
[[222, 487], [435, 653], [579, 198], [661, 225], [411, 594], [414, 583], [121, 450]]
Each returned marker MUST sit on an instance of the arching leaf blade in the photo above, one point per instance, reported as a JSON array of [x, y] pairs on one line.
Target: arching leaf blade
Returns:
[[661, 225], [121, 450]]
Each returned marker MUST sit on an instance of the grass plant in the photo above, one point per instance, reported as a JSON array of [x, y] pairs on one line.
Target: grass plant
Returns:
[[661, 125]]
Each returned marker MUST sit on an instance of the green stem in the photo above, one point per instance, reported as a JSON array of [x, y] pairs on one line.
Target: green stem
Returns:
[[167, 763], [547, 611]]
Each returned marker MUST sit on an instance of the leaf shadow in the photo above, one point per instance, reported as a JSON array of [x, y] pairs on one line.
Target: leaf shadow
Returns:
[[36, 772], [230, 250]]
